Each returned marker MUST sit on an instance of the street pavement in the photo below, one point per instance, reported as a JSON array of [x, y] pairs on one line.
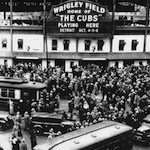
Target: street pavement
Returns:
[[5, 136]]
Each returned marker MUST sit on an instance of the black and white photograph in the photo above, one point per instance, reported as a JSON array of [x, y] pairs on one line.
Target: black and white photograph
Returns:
[[74, 74]]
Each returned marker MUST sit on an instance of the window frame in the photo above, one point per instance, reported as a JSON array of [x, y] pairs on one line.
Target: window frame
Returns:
[[134, 45], [20, 44], [122, 43], [66, 44], [100, 44], [9, 93], [87, 44], [4, 42], [54, 45]]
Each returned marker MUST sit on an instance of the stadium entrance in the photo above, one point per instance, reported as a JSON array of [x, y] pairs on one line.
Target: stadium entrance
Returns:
[[100, 63]]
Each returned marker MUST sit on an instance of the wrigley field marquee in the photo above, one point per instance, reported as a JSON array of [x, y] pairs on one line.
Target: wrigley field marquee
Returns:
[[77, 17]]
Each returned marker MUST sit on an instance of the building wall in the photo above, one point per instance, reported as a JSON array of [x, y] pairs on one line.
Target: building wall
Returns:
[[148, 44], [35, 41], [9, 61], [31, 42], [128, 39], [5, 35]]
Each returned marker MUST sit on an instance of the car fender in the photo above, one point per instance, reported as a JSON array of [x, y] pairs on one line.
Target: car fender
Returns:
[[38, 126]]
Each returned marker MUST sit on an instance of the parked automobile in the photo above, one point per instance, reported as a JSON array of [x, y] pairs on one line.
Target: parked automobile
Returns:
[[142, 134], [42, 122], [6, 122]]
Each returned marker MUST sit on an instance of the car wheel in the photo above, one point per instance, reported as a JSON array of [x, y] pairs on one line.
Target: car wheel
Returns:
[[38, 130], [4, 126]]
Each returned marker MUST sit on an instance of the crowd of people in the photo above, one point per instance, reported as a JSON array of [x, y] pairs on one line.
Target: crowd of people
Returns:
[[94, 93], [17, 139]]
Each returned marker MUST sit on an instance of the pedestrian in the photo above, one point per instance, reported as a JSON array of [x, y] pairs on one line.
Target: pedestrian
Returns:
[[1, 148], [26, 120], [11, 107], [23, 145], [52, 134], [15, 143], [33, 139], [21, 107], [19, 130], [18, 117], [64, 115]]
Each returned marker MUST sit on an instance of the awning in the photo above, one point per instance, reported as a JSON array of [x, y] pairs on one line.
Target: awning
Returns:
[[94, 59], [21, 57]]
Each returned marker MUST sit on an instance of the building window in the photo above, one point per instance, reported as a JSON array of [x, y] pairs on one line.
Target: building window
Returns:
[[4, 93], [20, 43], [87, 45], [134, 45], [71, 64], [5, 62], [4, 43], [121, 45], [11, 93], [54, 44], [66, 44], [116, 64], [100, 44]]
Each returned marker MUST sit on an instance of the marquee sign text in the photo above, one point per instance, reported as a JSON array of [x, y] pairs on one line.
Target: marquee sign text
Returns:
[[77, 17]]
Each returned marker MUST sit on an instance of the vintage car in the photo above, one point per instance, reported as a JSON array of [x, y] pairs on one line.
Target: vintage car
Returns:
[[6, 122], [42, 122], [142, 134]]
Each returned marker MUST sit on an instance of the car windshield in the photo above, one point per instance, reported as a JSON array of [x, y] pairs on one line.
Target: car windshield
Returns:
[[146, 121], [147, 124], [2, 118], [45, 119]]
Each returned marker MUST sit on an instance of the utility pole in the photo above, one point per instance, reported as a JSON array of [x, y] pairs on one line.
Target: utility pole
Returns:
[[11, 18], [146, 25], [44, 32], [113, 24]]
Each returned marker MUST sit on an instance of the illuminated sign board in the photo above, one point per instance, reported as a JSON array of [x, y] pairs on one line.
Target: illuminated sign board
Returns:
[[77, 17]]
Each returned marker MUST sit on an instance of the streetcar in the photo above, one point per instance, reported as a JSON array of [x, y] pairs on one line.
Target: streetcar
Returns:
[[106, 135], [16, 89]]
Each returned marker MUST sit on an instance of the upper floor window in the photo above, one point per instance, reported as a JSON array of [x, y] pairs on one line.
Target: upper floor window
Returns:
[[20, 43], [134, 45], [121, 45], [100, 44], [4, 43], [87, 45], [66, 44], [54, 44]]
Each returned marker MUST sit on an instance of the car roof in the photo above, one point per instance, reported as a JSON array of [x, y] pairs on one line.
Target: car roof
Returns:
[[3, 115], [147, 118], [47, 115]]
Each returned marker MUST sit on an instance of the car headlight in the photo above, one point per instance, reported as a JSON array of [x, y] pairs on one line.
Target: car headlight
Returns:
[[148, 135]]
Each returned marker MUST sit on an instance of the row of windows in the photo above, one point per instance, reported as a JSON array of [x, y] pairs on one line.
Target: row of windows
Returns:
[[20, 43], [66, 43], [87, 43], [122, 43]]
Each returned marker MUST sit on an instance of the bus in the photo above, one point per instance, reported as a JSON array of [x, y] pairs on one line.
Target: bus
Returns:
[[106, 135], [15, 89]]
